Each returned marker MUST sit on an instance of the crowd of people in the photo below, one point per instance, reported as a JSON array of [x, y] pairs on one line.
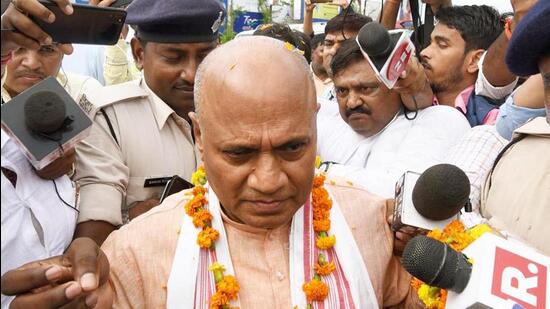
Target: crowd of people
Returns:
[[254, 115]]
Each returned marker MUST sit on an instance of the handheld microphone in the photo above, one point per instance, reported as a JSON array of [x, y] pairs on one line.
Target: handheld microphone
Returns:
[[388, 52], [44, 120], [432, 199], [436, 263], [504, 274]]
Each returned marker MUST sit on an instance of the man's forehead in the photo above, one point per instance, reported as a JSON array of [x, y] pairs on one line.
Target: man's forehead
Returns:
[[339, 37], [357, 73], [445, 32]]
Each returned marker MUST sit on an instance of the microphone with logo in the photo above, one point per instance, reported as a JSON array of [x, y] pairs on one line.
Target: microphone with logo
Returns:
[[388, 52], [492, 272], [44, 121], [431, 199]]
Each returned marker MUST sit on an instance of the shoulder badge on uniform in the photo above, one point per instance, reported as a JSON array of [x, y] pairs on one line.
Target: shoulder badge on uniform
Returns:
[[85, 104]]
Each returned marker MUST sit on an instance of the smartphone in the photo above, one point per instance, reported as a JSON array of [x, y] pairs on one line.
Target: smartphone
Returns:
[[87, 25], [175, 185]]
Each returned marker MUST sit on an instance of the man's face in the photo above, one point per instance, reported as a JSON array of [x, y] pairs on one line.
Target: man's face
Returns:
[[169, 70], [544, 66], [365, 103], [317, 57], [259, 148], [444, 59], [333, 41], [29, 67]]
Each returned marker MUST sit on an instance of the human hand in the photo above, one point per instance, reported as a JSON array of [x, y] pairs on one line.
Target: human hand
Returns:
[[413, 79], [77, 279], [404, 234], [23, 32], [101, 3], [61, 166], [142, 207], [309, 6]]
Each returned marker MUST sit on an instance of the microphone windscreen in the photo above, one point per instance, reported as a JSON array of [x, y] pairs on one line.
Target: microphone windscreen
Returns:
[[436, 263], [441, 191], [45, 112], [374, 40]]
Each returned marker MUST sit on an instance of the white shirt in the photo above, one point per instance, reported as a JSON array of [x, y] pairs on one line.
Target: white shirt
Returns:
[[377, 162], [35, 222]]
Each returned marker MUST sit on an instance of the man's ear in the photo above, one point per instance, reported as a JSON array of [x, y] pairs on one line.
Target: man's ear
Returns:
[[473, 60], [137, 52], [197, 132]]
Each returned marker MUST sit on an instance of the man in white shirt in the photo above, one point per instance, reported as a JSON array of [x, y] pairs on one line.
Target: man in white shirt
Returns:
[[39, 208], [373, 139], [28, 67]]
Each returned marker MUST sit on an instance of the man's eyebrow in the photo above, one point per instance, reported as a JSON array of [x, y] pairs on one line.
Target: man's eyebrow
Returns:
[[442, 38], [296, 140]]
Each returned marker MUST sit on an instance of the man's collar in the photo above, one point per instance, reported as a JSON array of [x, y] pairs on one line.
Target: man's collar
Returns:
[[161, 110], [461, 101]]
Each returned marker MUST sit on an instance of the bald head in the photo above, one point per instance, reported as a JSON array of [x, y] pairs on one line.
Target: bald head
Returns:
[[256, 129], [252, 65]]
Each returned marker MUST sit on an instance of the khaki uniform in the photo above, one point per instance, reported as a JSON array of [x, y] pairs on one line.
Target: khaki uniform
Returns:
[[151, 142], [516, 195]]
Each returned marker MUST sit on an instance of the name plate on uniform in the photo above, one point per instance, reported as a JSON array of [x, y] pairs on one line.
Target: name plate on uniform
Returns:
[[156, 182]]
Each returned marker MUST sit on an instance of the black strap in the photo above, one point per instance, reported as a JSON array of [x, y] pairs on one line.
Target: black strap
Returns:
[[109, 124], [422, 32], [501, 154]]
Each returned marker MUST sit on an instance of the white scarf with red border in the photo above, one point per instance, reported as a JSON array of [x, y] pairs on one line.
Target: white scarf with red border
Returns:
[[191, 284]]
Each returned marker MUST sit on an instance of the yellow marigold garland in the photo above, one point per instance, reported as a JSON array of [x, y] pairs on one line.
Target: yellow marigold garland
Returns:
[[458, 238], [227, 287]]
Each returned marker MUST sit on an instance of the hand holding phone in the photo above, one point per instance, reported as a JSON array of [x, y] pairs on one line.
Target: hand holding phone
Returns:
[[19, 31], [88, 24]]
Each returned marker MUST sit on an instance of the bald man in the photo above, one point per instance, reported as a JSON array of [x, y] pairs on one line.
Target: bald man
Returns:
[[258, 147]]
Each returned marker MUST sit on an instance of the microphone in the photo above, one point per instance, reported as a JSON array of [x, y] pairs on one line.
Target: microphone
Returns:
[[431, 199], [436, 263], [388, 52], [44, 120], [45, 112], [441, 191], [504, 274]]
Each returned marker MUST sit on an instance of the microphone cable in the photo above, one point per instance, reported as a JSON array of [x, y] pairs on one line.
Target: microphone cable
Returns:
[[62, 200]]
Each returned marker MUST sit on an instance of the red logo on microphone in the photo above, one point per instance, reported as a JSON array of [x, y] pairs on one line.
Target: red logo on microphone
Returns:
[[399, 61], [519, 279]]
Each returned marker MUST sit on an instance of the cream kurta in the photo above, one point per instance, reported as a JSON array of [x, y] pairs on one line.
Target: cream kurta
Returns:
[[141, 255], [151, 142]]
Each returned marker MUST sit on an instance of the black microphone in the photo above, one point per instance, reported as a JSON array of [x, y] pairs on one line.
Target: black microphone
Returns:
[[441, 191], [45, 112], [437, 264], [45, 121], [377, 43]]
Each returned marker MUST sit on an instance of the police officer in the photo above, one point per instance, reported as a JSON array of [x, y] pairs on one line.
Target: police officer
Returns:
[[142, 134]]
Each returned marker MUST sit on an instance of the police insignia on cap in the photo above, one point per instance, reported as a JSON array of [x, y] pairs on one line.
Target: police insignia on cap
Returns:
[[216, 25]]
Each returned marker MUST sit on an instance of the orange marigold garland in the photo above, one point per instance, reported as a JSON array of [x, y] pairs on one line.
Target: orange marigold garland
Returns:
[[227, 287], [316, 289], [457, 237]]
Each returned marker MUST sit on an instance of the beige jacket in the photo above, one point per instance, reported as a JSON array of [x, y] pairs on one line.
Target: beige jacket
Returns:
[[516, 195], [141, 255], [151, 142]]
